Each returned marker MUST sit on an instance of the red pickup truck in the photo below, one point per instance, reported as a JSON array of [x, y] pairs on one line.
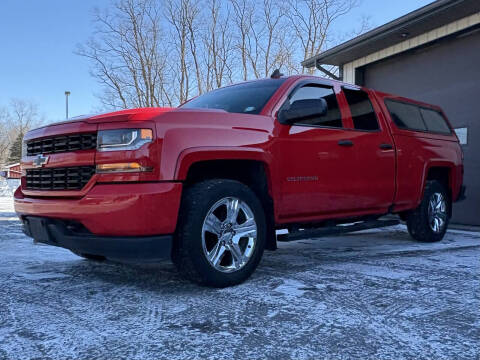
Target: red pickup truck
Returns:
[[209, 183]]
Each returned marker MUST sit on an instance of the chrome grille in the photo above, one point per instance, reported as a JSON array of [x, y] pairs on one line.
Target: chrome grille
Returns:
[[63, 143], [65, 178]]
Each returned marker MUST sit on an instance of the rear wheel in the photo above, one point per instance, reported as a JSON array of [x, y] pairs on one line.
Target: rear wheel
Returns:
[[221, 234], [430, 220]]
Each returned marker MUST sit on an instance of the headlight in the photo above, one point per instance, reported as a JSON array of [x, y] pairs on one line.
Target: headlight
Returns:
[[123, 139]]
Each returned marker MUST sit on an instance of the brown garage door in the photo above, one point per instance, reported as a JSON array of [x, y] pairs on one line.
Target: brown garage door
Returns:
[[446, 73]]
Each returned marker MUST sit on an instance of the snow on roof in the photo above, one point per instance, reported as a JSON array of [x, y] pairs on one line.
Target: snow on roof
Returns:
[[11, 165]]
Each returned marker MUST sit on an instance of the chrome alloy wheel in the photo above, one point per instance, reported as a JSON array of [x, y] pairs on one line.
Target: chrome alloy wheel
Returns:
[[437, 212], [229, 234]]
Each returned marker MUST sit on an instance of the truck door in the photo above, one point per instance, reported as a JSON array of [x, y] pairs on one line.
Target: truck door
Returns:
[[372, 161], [315, 160]]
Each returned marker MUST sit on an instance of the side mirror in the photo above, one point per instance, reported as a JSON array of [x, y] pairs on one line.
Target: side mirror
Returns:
[[303, 109]]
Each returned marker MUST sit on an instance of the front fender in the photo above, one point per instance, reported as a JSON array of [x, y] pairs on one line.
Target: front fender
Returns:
[[183, 143], [205, 153]]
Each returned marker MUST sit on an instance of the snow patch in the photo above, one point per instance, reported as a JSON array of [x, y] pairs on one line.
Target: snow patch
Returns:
[[8, 186], [291, 288], [42, 276], [372, 270]]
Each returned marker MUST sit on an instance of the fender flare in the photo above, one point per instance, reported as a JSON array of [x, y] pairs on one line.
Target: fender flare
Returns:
[[432, 164], [193, 155]]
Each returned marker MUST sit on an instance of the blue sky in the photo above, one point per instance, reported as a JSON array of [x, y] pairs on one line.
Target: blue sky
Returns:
[[38, 39]]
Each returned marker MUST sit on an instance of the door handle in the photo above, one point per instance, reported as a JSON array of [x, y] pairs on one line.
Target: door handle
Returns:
[[386, 146], [345, 143]]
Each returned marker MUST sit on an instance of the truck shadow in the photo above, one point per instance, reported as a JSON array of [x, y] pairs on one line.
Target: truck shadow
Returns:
[[288, 260]]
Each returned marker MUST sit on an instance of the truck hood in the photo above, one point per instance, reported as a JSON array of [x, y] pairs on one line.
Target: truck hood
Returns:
[[114, 116], [180, 117], [165, 118]]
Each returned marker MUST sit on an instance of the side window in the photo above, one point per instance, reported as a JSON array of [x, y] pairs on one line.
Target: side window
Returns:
[[405, 116], [434, 121], [332, 118], [363, 115]]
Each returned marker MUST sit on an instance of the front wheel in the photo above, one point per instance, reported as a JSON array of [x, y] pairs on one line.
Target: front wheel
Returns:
[[429, 222], [221, 233]]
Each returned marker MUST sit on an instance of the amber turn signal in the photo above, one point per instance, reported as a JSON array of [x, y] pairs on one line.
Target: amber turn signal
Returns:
[[146, 134], [121, 167]]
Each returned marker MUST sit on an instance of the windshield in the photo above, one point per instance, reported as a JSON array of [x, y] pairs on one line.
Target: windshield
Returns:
[[245, 98]]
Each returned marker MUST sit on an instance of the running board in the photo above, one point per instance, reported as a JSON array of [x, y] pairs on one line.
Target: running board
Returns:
[[335, 230]]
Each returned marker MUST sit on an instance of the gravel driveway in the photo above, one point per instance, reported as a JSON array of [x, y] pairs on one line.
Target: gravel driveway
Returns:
[[370, 295]]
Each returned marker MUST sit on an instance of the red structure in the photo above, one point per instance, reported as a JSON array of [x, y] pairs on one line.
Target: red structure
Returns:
[[13, 171]]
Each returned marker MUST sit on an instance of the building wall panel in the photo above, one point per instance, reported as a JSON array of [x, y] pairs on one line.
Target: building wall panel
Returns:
[[446, 74]]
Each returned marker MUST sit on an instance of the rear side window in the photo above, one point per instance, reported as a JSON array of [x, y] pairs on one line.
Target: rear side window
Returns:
[[405, 116], [434, 121], [332, 118], [363, 115]]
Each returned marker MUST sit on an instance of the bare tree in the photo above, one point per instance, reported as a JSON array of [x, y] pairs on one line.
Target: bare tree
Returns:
[[262, 40], [126, 54], [273, 42], [311, 20], [243, 13], [192, 12], [183, 15], [156, 53], [5, 135], [23, 115], [218, 42], [15, 120]]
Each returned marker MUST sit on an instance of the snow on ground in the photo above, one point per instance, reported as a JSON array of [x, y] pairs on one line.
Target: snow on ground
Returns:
[[370, 295], [8, 186]]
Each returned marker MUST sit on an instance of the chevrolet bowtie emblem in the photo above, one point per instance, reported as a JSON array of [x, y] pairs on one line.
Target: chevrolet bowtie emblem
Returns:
[[40, 160]]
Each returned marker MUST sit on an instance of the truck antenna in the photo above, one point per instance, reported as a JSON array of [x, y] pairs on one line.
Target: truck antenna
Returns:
[[276, 74]]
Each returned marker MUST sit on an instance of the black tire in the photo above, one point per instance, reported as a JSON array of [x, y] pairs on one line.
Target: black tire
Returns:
[[188, 253], [418, 223]]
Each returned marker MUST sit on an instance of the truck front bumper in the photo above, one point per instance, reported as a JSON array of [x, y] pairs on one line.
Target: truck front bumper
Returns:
[[72, 236], [129, 209], [129, 221]]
